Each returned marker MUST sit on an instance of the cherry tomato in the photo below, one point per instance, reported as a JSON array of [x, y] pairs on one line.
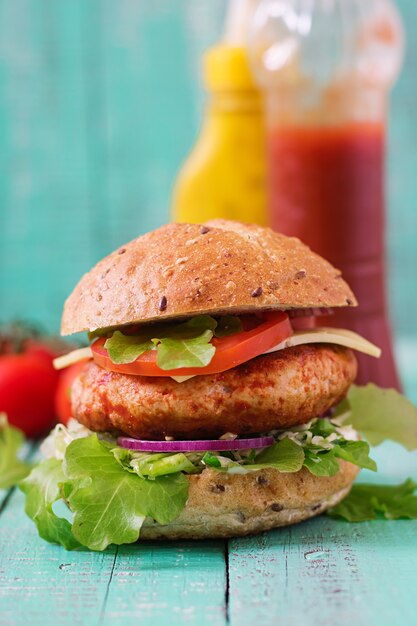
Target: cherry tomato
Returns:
[[63, 391], [27, 387], [230, 351]]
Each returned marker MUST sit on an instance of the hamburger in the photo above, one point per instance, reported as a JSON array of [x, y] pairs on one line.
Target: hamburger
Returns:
[[209, 402]]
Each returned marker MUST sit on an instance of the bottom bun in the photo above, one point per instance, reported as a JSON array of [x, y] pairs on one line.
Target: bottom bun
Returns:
[[232, 505]]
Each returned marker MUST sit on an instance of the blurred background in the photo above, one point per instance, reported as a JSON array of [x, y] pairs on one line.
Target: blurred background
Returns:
[[100, 102]]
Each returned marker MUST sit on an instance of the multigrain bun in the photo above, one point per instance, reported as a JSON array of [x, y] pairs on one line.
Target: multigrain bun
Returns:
[[189, 269], [230, 505]]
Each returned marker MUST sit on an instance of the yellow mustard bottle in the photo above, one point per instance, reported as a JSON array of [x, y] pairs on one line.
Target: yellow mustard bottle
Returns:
[[225, 174]]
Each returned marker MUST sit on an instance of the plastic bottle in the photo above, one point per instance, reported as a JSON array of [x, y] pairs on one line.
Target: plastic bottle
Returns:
[[225, 174], [326, 67]]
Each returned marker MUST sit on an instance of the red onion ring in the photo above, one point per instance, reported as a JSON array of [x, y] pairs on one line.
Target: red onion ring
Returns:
[[199, 445]]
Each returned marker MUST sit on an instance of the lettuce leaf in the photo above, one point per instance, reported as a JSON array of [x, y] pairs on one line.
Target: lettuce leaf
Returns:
[[178, 345], [380, 415], [321, 463], [369, 502], [176, 353], [109, 503], [285, 456], [42, 488], [126, 348], [12, 469], [211, 460], [325, 462], [356, 452]]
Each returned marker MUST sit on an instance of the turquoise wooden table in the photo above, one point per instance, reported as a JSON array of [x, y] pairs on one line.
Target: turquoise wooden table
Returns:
[[99, 103], [319, 572]]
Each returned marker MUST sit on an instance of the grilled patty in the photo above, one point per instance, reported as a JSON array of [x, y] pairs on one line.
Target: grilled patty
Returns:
[[277, 390]]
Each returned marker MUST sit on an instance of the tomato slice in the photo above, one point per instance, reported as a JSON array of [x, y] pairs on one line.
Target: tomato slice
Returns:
[[230, 351]]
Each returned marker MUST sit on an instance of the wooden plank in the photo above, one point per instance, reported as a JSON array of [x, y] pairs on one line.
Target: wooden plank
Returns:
[[176, 583], [42, 583], [43, 580], [326, 572], [179, 582]]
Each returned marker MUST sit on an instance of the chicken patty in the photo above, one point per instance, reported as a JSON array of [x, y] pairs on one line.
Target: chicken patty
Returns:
[[269, 392]]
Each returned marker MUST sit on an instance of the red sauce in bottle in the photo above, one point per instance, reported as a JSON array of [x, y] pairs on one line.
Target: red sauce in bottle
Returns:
[[327, 188]]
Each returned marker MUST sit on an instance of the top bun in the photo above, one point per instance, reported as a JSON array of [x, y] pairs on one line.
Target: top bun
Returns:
[[218, 267]]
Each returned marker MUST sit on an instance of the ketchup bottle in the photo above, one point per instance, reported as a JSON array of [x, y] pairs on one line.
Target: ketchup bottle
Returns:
[[326, 67]]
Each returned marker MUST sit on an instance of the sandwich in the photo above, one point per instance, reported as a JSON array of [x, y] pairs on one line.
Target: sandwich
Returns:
[[209, 405]]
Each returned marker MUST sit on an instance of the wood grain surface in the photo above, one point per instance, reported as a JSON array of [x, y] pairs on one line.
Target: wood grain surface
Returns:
[[99, 103], [325, 572]]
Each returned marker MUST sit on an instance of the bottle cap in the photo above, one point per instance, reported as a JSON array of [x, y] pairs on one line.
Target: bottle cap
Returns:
[[227, 67]]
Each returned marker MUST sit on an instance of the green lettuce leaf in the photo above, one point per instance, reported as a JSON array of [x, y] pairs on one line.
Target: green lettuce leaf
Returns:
[[126, 348], [325, 462], [12, 469], [42, 488], [195, 352], [322, 427], [109, 503], [211, 460], [380, 415], [369, 502], [321, 463], [356, 452], [285, 456]]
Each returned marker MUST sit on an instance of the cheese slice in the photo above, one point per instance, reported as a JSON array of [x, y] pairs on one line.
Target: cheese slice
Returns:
[[182, 379], [338, 336], [72, 357]]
